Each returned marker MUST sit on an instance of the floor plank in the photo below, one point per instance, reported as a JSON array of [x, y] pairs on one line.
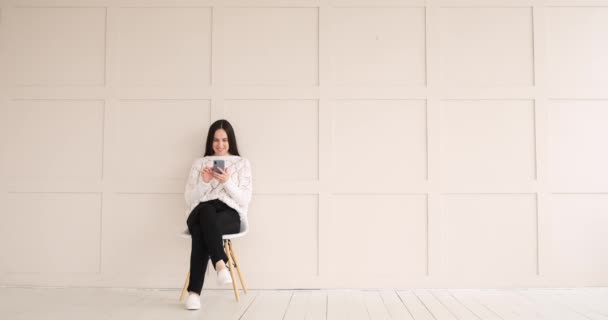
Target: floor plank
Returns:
[[459, 310], [269, 305], [346, 305], [415, 306], [221, 304], [375, 305], [436, 308], [550, 306], [307, 305], [419, 304], [494, 301], [467, 298], [395, 307], [523, 306], [588, 304]]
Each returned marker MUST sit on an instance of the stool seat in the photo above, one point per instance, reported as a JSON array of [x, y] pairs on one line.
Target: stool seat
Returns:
[[244, 230]]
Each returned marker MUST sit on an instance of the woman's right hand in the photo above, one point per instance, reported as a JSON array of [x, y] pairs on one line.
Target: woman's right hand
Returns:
[[207, 174]]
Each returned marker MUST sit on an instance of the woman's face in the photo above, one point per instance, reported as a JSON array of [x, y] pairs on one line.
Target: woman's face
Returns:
[[220, 142]]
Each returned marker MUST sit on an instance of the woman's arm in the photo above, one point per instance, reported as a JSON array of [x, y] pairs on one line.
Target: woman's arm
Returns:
[[241, 190], [196, 187]]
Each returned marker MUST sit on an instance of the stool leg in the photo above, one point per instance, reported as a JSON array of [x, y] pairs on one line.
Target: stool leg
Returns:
[[231, 268], [237, 267], [181, 296]]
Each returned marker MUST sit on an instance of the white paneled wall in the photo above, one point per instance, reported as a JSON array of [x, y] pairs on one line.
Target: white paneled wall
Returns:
[[394, 143]]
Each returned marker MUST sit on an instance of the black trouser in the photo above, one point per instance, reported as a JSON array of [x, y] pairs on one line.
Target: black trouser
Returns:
[[207, 222]]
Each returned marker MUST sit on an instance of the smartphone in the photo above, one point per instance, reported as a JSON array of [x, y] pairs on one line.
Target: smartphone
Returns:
[[218, 164]]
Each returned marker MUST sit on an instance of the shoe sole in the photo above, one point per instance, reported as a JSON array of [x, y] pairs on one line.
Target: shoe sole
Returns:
[[227, 281], [224, 283], [195, 307]]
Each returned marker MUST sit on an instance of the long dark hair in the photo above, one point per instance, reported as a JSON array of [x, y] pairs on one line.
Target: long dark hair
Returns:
[[221, 124]]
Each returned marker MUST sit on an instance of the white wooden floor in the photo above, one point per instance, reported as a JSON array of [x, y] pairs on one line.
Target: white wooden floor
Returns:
[[462, 304]]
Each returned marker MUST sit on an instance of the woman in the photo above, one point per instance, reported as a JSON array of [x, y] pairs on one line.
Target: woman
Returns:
[[217, 204]]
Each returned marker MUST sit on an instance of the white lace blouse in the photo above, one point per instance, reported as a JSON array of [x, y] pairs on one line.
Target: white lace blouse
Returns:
[[236, 192]]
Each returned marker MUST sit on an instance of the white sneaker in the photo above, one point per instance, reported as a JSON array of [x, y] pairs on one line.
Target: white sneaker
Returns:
[[223, 277], [194, 302]]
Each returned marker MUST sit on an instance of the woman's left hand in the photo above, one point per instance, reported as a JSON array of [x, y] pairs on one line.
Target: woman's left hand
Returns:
[[223, 176]]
